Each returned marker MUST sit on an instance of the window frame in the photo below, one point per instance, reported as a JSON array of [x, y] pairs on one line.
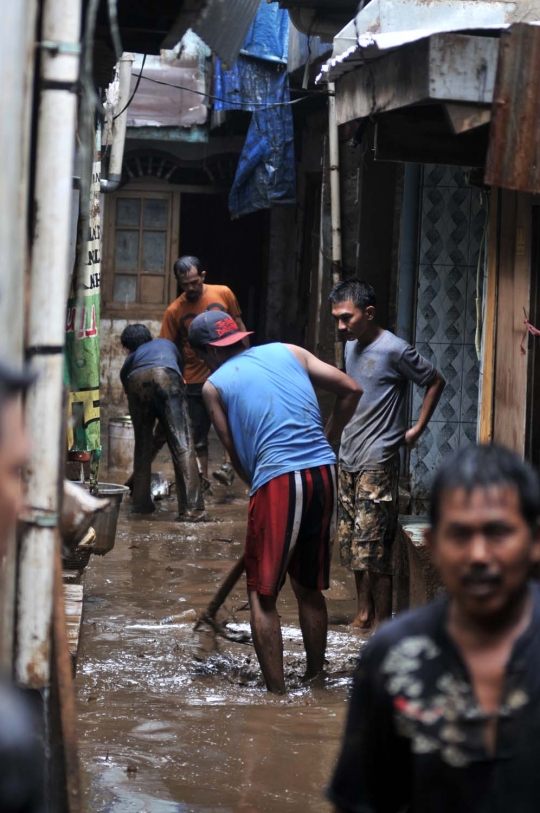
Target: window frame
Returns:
[[144, 188]]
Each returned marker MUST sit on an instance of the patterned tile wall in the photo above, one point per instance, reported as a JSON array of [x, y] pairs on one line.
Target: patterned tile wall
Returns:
[[452, 225]]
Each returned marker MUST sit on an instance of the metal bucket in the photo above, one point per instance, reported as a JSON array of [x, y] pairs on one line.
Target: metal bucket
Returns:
[[76, 559], [121, 444], [106, 521]]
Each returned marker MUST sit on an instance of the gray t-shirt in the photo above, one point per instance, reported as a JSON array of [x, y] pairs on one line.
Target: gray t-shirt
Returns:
[[383, 369]]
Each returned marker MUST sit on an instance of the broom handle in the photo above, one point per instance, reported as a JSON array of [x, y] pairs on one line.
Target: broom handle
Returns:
[[223, 590]]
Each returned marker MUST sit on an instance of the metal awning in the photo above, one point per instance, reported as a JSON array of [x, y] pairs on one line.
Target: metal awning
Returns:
[[442, 68], [384, 25]]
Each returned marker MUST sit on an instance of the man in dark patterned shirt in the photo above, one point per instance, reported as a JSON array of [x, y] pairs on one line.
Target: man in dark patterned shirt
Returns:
[[445, 711]]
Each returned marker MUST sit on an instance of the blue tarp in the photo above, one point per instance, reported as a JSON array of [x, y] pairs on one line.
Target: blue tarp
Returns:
[[266, 170], [268, 36]]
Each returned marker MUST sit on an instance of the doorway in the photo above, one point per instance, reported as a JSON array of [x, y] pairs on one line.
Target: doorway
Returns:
[[233, 252]]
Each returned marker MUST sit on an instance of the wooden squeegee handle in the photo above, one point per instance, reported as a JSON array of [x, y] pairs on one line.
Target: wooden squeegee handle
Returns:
[[223, 591]]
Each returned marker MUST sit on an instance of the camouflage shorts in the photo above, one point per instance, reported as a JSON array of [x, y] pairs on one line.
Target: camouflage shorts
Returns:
[[367, 518]]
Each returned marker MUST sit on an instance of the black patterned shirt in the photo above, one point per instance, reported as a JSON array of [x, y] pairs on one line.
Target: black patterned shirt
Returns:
[[415, 735]]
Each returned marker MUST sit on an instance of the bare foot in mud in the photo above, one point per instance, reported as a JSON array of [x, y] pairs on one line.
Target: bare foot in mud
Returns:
[[362, 624], [315, 680], [193, 516]]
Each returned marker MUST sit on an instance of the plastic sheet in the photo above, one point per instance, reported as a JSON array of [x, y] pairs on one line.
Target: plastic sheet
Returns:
[[259, 82], [268, 35]]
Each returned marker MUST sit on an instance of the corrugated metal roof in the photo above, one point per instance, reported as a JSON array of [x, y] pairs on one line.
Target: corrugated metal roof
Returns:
[[383, 25], [222, 24], [514, 153]]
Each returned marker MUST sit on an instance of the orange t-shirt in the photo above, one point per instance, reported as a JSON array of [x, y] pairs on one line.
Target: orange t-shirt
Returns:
[[181, 314]]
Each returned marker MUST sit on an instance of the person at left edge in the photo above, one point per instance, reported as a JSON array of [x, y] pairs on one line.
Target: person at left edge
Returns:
[[22, 753], [153, 381], [264, 409]]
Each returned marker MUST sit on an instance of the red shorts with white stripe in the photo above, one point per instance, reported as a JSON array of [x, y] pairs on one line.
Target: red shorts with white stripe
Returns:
[[290, 529]]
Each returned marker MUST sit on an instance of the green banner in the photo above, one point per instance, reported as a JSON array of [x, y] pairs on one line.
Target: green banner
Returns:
[[82, 337]]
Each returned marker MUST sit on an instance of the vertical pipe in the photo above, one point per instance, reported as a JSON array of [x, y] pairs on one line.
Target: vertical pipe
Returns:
[[335, 205], [46, 331], [17, 35], [118, 130], [335, 193], [17, 50]]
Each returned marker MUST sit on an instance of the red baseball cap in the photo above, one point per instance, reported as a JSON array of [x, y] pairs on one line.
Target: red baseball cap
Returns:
[[216, 328]]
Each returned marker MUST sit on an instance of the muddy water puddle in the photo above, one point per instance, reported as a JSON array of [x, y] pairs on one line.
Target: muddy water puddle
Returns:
[[163, 727]]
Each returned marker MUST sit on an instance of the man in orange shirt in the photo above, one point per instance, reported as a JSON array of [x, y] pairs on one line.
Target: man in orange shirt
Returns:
[[196, 298]]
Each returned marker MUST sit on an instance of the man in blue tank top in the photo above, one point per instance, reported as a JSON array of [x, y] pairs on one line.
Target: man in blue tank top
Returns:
[[265, 412]]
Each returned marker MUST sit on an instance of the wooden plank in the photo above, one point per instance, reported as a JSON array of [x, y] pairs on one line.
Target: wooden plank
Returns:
[[485, 418], [445, 68], [510, 397], [514, 149], [73, 598], [64, 750]]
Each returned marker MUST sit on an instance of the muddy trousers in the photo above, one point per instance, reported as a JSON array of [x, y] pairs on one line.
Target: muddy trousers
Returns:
[[159, 394]]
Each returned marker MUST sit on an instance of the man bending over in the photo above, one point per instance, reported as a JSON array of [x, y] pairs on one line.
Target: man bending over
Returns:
[[265, 411]]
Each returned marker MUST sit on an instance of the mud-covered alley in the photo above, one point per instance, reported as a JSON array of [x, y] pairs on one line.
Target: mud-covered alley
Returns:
[[166, 725], [308, 230]]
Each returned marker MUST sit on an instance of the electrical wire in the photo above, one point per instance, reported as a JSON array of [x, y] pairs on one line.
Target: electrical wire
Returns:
[[139, 77], [246, 105]]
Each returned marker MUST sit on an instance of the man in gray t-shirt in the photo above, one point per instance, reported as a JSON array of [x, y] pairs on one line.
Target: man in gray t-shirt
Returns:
[[383, 365]]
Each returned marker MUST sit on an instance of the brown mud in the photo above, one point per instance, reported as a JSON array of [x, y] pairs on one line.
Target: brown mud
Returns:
[[161, 730]]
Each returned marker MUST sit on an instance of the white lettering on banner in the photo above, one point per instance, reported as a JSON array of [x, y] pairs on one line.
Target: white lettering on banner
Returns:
[[92, 276]]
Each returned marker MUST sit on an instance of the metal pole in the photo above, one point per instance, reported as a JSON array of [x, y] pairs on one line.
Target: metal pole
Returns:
[[335, 205], [46, 332]]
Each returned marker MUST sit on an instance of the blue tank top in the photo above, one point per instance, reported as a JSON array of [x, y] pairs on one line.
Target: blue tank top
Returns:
[[273, 413]]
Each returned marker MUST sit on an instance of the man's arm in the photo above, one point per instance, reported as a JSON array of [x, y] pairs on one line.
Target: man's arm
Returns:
[[330, 379], [218, 416], [241, 325], [432, 397]]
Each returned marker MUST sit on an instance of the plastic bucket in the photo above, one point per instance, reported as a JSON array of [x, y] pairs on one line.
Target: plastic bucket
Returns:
[[121, 444], [106, 521]]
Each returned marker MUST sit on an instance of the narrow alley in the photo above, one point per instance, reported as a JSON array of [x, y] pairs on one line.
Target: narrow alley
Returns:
[[161, 730], [270, 406]]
